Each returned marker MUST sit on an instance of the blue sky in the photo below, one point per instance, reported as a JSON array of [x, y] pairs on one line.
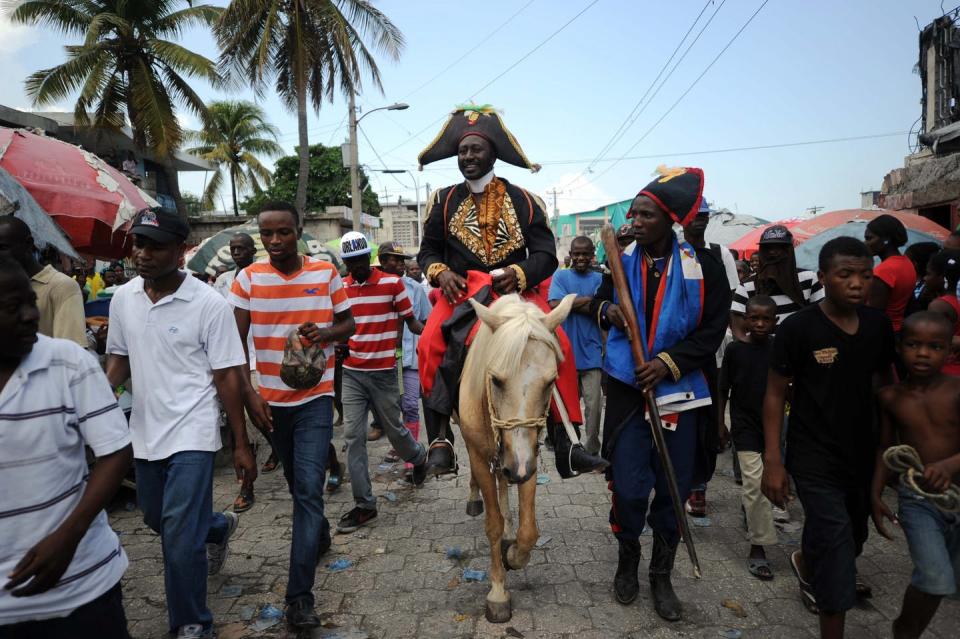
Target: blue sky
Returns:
[[802, 70]]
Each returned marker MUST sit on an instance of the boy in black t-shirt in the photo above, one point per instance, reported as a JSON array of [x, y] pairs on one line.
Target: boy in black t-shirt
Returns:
[[744, 372], [832, 352]]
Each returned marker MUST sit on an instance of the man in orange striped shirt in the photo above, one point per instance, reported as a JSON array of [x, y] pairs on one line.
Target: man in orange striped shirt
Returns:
[[290, 292], [379, 303]]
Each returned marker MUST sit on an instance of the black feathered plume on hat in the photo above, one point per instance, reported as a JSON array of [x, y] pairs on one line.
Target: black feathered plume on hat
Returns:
[[677, 192], [474, 119]]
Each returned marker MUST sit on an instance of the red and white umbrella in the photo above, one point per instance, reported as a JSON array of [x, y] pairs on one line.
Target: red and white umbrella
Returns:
[[90, 200]]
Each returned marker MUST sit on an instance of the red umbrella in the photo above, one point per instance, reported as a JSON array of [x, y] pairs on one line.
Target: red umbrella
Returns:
[[90, 200], [806, 229], [749, 243]]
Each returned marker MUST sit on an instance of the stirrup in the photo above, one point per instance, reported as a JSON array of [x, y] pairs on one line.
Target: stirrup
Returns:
[[438, 443]]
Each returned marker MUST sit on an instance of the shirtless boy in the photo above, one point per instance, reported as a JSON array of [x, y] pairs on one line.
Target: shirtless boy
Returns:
[[923, 411]]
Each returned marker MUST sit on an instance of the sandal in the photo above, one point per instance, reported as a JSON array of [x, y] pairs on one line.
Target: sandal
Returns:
[[392, 457], [863, 590], [243, 502], [759, 568], [270, 465], [806, 590], [335, 478]]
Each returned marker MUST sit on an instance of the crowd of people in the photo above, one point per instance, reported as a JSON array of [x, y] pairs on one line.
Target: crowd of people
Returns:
[[812, 376]]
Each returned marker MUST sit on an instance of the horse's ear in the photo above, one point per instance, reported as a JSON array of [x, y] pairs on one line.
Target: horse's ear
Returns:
[[557, 315], [486, 316]]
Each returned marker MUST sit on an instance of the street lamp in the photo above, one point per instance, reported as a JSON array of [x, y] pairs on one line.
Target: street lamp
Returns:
[[355, 207], [416, 185]]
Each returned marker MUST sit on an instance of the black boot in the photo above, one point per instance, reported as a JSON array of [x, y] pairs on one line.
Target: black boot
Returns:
[[441, 459], [625, 582], [571, 460], [665, 600]]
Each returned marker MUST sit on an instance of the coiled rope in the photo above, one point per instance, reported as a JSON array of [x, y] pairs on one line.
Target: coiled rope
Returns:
[[905, 461]]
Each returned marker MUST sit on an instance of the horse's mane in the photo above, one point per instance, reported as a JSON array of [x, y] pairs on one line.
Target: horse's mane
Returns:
[[501, 352]]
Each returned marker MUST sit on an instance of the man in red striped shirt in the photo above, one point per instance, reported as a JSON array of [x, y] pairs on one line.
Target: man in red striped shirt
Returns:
[[379, 303]]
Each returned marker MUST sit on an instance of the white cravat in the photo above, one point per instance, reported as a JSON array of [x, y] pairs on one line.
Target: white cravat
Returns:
[[477, 186]]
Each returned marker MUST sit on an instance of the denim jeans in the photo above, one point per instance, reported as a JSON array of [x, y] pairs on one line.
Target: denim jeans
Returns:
[[378, 391], [301, 437], [933, 537], [176, 497], [410, 402]]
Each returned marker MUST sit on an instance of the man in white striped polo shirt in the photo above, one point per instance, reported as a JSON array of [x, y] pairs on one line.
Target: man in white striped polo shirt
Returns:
[[60, 561], [778, 277]]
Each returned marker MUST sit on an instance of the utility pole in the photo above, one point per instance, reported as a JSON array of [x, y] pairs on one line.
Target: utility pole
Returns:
[[554, 192], [815, 209], [354, 166]]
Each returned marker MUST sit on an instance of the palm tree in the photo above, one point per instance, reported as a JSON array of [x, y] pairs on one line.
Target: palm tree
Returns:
[[128, 69], [310, 48], [236, 134]]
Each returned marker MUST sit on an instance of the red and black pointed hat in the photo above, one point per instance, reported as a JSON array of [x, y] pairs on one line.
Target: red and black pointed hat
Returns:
[[476, 119], [677, 191]]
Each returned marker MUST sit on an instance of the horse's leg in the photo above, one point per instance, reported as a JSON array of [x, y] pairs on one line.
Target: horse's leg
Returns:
[[475, 503], [503, 489], [518, 555], [498, 599]]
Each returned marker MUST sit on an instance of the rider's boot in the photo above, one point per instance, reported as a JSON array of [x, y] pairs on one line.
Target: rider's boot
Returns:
[[441, 459], [572, 459], [626, 585]]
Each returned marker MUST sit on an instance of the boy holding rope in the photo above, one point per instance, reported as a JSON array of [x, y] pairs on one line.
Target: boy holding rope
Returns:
[[923, 412]]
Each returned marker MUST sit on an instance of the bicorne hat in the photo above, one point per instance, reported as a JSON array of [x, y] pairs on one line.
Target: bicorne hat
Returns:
[[473, 119], [677, 191]]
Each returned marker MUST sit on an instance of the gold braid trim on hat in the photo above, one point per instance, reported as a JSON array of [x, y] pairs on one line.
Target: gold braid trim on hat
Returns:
[[434, 270], [674, 369], [521, 277], [516, 147], [436, 139]]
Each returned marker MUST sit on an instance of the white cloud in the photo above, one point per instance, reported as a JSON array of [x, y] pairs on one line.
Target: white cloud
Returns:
[[575, 193], [14, 37]]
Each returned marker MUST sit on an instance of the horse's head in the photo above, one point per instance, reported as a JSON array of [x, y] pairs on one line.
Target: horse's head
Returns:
[[518, 359]]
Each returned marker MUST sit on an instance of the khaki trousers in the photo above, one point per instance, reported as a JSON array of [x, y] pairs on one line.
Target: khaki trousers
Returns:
[[760, 529]]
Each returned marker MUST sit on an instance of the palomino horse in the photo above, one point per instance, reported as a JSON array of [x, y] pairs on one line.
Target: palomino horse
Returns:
[[505, 392]]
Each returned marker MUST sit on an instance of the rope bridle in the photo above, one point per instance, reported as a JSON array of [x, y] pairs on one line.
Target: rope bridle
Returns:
[[497, 424]]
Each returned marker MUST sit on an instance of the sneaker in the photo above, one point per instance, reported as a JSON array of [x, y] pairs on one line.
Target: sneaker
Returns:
[[194, 631], [217, 553], [355, 519], [697, 503]]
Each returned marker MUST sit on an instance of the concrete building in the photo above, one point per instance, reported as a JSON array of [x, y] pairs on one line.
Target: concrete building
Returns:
[[324, 226], [569, 225], [399, 224], [929, 181]]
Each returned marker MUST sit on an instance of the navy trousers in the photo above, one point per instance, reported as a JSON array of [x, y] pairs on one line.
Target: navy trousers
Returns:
[[636, 470]]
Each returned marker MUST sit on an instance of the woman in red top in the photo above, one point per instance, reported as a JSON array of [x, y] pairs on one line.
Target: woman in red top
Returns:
[[943, 272], [895, 278]]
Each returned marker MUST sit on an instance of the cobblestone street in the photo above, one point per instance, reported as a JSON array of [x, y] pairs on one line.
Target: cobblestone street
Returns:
[[400, 582]]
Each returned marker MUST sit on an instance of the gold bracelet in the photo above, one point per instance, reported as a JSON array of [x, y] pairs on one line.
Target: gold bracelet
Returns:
[[674, 370], [434, 270], [521, 277]]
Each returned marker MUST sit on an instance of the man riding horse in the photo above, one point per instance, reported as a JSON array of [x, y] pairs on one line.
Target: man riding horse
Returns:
[[484, 237]]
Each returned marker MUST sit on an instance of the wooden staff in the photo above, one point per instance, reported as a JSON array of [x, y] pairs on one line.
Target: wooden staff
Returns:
[[656, 425]]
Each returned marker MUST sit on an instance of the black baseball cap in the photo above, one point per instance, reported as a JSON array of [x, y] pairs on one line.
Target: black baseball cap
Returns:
[[393, 248], [160, 226], [776, 234]]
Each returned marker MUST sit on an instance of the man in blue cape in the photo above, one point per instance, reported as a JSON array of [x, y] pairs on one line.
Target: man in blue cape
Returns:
[[682, 302]]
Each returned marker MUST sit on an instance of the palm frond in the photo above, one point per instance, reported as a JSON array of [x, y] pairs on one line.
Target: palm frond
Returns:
[[56, 83], [66, 17], [213, 187]]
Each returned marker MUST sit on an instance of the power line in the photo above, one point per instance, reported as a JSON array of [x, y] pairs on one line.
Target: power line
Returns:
[[760, 147], [625, 125], [536, 48], [500, 75], [684, 94], [474, 48]]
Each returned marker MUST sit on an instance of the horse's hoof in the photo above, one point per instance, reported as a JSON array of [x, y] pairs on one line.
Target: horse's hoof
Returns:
[[504, 549], [475, 508], [499, 612]]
